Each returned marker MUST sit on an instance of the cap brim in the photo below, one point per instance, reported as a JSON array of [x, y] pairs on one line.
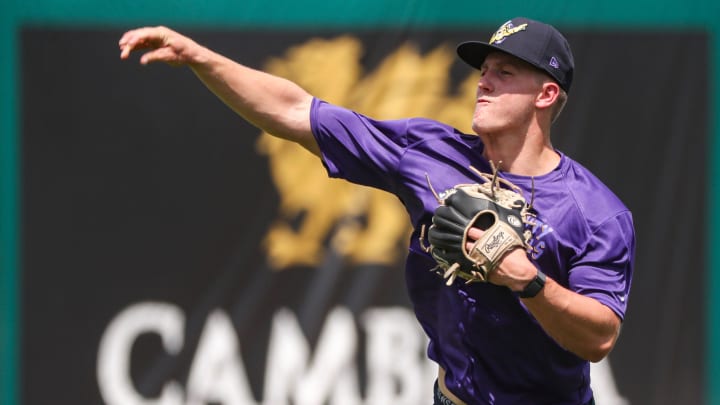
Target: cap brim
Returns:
[[474, 53]]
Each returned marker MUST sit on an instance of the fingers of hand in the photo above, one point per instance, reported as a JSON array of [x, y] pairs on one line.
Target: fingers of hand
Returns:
[[142, 38], [166, 55], [473, 234]]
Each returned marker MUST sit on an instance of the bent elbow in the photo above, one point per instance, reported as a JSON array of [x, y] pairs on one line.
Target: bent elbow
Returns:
[[596, 356], [599, 352]]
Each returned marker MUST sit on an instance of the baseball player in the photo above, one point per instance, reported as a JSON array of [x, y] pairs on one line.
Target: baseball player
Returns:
[[545, 309]]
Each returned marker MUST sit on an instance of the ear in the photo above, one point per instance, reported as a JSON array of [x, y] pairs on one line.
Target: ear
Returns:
[[548, 94]]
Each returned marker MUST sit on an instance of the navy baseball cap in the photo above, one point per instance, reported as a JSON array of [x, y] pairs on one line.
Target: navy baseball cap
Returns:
[[538, 44]]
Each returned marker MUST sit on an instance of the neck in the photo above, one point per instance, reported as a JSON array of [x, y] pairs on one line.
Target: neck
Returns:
[[526, 155]]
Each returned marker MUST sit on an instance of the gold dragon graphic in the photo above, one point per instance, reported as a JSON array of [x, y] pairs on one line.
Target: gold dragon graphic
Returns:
[[316, 213]]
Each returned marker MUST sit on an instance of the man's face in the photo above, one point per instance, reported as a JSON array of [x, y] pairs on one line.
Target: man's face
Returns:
[[506, 95]]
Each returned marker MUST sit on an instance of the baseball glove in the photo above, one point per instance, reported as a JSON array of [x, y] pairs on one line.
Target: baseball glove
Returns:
[[501, 212]]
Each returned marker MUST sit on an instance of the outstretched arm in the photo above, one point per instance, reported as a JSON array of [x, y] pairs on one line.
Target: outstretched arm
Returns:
[[274, 104]]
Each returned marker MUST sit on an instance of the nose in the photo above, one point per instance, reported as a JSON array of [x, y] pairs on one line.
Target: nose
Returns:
[[484, 84]]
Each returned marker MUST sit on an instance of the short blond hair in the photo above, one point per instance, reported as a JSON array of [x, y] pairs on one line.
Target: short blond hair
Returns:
[[559, 105]]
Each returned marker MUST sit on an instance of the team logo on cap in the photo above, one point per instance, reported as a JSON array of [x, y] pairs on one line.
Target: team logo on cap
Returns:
[[505, 31], [554, 63]]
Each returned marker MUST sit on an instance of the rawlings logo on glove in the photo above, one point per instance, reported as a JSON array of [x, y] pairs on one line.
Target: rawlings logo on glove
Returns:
[[499, 211]]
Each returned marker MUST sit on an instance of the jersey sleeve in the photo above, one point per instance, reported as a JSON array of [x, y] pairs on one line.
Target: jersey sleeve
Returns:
[[604, 270], [357, 148]]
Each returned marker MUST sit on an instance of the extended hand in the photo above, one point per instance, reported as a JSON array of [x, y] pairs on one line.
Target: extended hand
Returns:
[[164, 44]]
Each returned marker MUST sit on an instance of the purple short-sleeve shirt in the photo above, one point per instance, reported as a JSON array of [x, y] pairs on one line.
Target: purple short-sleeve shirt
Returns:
[[493, 350]]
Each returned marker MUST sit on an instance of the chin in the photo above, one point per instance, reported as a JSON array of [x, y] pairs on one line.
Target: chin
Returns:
[[481, 129], [481, 124], [477, 125]]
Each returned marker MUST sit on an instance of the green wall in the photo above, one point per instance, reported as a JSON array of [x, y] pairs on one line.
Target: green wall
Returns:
[[280, 14]]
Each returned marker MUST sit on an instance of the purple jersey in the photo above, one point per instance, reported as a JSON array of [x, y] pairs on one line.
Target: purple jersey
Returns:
[[493, 350]]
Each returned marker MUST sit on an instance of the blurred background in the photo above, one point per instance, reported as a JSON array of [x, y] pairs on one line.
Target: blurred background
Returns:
[[156, 249]]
